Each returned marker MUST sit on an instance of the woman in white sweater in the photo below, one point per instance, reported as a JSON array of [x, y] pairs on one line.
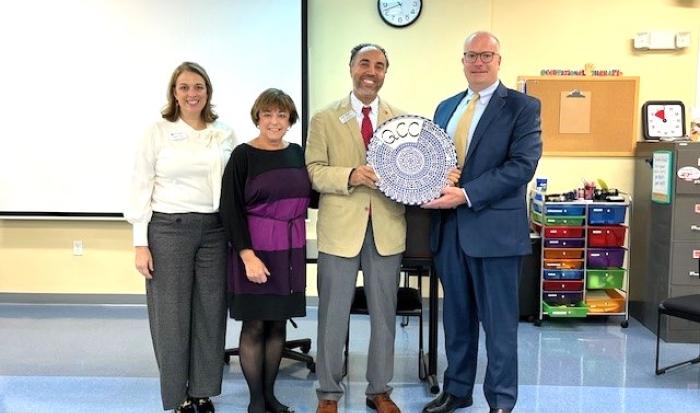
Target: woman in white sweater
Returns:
[[179, 242]]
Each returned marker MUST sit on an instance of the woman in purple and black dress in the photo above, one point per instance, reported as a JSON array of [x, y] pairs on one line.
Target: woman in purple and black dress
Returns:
[[264, 197]]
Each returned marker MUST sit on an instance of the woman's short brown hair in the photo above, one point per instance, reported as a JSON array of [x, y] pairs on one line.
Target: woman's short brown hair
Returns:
[[274, 98], [171, 111]]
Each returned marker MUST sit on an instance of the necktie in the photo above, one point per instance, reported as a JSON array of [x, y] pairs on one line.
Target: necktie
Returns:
[[367, 130], [461, 135]]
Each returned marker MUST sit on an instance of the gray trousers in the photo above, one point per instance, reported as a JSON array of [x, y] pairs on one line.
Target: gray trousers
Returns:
[[337, 277], [187, 304]]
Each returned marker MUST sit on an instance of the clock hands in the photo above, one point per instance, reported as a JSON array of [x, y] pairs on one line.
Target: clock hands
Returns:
[[387, 8], [661, 114]]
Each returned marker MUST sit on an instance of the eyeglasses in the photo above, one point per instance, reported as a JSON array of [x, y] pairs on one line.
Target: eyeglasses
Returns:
[[486, 57]]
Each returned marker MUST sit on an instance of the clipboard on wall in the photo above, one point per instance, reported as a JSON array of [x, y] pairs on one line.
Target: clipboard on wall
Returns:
[[575, 111], [612, 109]]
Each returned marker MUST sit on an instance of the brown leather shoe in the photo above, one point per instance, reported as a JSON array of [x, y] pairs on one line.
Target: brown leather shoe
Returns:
[[327, 406], [382, 404]]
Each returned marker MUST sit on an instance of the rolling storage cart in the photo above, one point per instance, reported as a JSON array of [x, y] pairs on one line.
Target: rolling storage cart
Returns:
[[585, 257]]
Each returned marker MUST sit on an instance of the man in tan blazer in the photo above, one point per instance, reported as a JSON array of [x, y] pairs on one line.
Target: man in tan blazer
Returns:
[[358, 228]]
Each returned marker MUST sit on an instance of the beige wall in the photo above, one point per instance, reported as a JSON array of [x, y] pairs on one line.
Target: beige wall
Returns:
[[36, 256]]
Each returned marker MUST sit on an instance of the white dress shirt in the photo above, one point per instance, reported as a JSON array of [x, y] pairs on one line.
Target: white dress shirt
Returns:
[[177, 170], [484, 99], [357, 106]]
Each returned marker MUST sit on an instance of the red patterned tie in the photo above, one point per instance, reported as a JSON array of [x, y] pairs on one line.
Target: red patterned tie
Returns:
[[367, 130]]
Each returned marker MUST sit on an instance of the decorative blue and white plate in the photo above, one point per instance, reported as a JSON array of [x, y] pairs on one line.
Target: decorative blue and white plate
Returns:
[[411, 156]]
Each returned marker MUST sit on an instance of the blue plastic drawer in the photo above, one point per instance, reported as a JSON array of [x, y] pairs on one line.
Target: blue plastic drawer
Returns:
[[537, 207], [563, 274], [565, 210], [606, 214], [564, 243]]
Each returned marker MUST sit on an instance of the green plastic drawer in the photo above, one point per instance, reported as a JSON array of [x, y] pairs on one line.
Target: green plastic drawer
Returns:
[[580, 310], [536, 217], [602, 279], [562, 220]]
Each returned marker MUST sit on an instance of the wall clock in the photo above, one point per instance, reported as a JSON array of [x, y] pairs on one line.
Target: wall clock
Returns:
[[663, 119], [399, 13]]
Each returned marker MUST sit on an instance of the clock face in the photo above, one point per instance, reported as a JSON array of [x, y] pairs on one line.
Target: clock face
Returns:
[[664, 119], [399, 13]]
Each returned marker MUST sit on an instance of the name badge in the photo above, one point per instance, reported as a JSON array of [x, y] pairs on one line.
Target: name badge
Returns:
[[345, 117], [177, 136]]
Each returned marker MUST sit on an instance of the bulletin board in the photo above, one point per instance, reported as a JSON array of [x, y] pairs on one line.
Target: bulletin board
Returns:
[[587, 116]]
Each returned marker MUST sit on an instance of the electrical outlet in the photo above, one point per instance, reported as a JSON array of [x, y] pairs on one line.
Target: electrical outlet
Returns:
[[682, 40], [77, 247]]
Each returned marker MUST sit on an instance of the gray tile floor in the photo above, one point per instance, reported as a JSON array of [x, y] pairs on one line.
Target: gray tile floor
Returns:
[[91, 358]]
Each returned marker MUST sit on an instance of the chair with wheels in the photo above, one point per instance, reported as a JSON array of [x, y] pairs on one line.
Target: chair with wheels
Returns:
[[686, 307], [303, 344], [409, 304]]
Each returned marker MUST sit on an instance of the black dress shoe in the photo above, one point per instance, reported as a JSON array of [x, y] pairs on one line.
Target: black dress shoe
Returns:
[[185, 408], [492, 410], [203, 405], [447, 403], [280, 408]]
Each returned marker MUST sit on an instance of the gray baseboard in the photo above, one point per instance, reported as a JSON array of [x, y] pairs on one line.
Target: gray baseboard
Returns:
[[92, 299], [53, 298]]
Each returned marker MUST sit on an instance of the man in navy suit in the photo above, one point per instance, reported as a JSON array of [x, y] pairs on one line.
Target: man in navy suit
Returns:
[[480, 232]]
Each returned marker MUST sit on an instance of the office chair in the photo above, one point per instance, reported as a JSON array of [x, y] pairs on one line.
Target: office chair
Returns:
[[686, 307], [288, 352], [409, 304]]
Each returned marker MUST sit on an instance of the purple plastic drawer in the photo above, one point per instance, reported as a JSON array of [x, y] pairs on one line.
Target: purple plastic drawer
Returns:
[[605, 257], [564, 243]]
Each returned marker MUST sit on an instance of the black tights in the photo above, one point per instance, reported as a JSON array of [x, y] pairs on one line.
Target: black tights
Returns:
[[260, 347]]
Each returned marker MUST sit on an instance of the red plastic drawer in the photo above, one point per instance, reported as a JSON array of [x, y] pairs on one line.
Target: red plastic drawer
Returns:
[[563, 232], [562, 285], [606, 236]]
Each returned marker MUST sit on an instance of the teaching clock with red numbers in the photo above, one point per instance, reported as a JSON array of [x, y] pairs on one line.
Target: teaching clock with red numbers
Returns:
[[663, 119]]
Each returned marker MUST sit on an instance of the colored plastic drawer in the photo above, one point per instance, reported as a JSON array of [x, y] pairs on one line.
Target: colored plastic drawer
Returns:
[[537, 207], [563, 274], [536, 217], [562, 285], [605, 301], [579, 309], [606, 214], [563, 232], [565, 210], [562, 264], [565, 243], [606, 236], [573, 221], [562, 298], [601, 279], [537, 227], [563, 253], [605, 257]]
